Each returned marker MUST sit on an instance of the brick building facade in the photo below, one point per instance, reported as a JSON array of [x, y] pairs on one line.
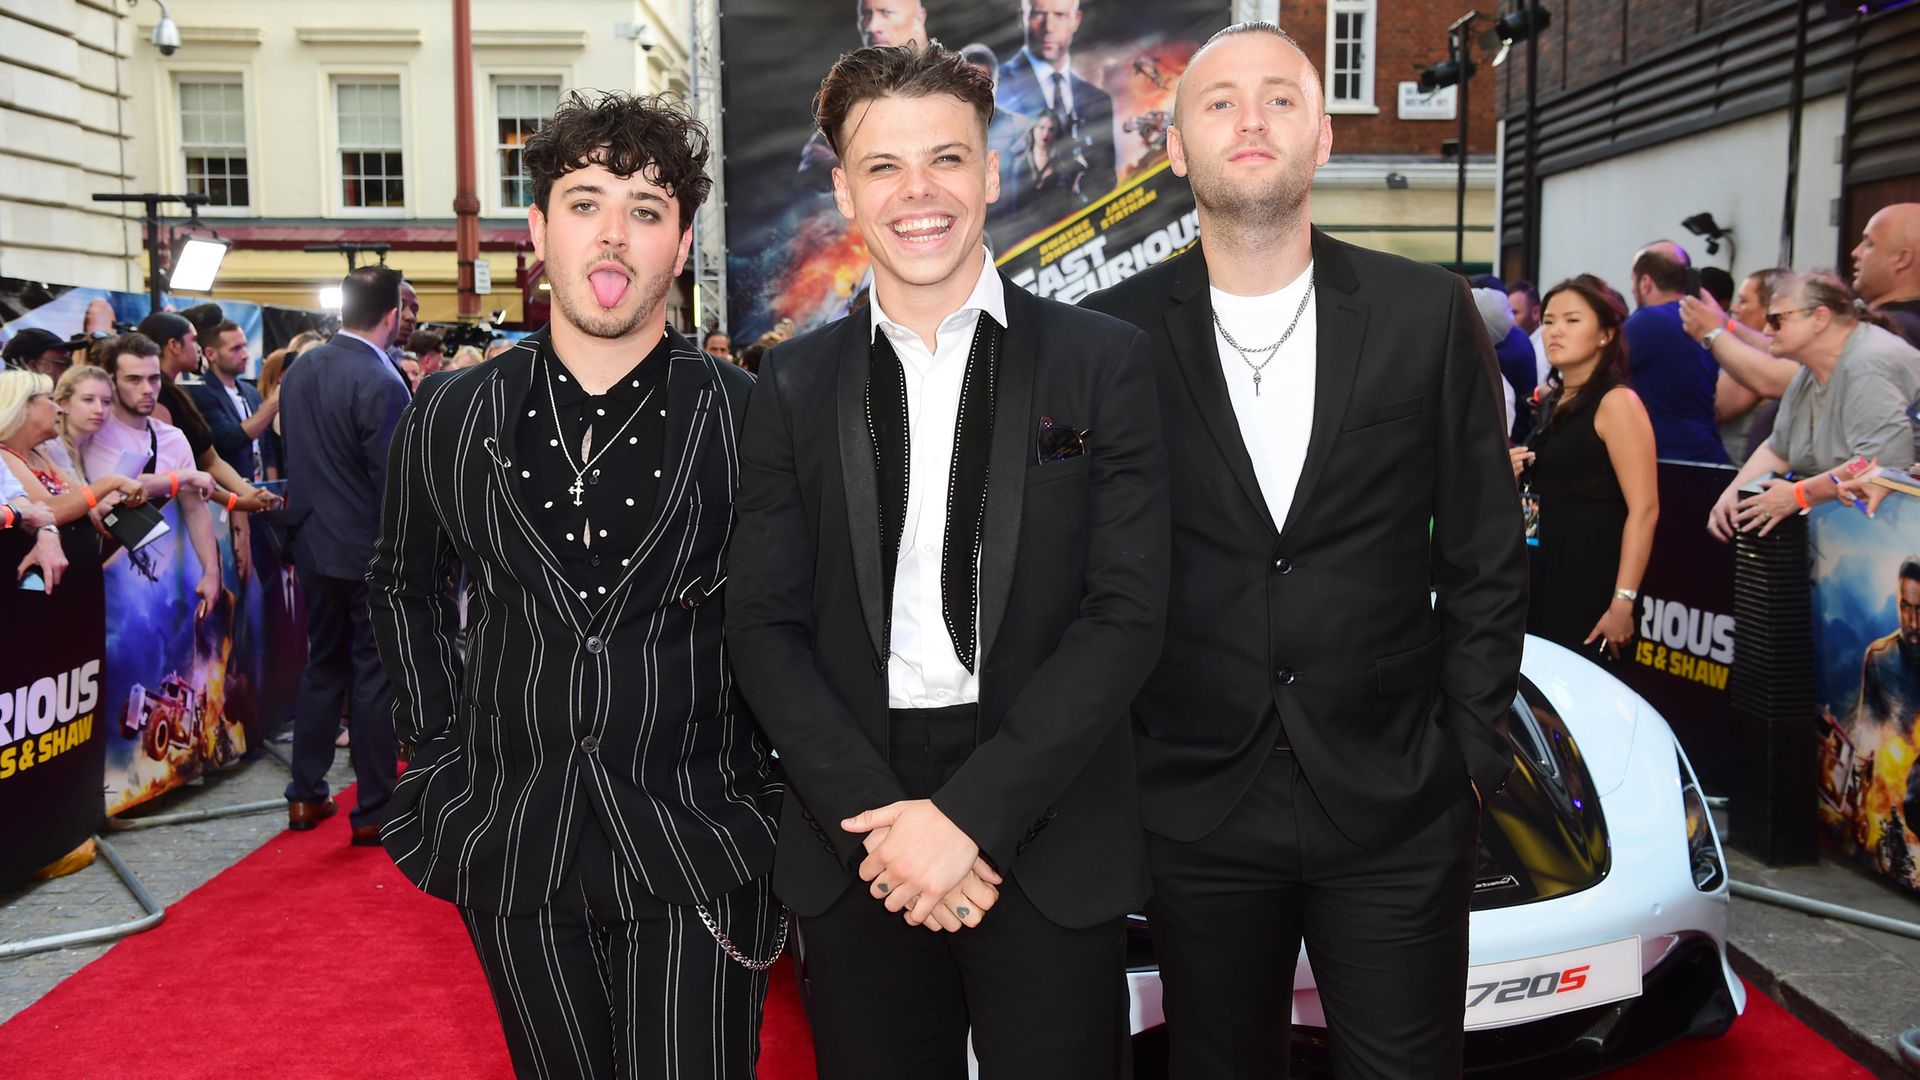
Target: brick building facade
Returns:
[[1650, 111], [1389, 185]]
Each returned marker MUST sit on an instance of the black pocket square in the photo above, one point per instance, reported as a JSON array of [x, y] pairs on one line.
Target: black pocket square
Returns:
[[1061, 442]]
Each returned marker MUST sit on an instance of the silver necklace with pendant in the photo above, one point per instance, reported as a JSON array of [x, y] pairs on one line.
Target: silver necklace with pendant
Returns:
[[578, 488], [1272, 350]]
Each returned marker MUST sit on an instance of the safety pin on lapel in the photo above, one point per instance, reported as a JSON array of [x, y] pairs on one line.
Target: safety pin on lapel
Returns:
[[493, 451], [693, 595]]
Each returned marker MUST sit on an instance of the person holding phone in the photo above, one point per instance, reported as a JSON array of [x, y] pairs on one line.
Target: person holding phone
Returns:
[[1675, 378], [1592, 464]]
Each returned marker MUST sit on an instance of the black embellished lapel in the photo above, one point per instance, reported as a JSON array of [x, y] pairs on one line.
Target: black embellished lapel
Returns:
[[1190, 326], [967, 492], [508, 379], [1013, 450], [889, 430], [1341, 329], [857, 473]]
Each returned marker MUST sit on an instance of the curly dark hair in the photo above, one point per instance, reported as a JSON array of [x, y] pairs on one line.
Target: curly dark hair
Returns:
[[653, 136], [878, 71]]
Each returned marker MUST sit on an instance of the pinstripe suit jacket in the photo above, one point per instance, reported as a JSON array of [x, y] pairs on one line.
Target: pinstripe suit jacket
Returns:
[[563, 709]]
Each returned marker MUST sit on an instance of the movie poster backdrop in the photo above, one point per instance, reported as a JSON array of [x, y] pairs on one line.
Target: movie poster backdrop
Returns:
[[1086, 199], [181, 684], [1866, 642], [52, 730], [1682, 652]]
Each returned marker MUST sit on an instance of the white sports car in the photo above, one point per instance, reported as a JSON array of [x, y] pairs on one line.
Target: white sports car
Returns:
[[1599, 926]]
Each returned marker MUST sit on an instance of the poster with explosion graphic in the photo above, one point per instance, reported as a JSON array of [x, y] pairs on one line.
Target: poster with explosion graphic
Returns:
[[1083, 95], [1866, 641], [179, 685]]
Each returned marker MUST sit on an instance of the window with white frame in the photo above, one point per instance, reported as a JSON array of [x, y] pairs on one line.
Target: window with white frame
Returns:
[[372, 156], [1350, 54], [520, 106], [213, 139]]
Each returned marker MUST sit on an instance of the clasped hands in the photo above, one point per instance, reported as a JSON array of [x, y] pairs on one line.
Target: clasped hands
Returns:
[[920, 863]]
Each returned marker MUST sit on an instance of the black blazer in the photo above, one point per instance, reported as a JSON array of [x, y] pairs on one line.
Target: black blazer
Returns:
[[1073, 568], [339, 407], [230, 440], [1391, 700], [564, 710]]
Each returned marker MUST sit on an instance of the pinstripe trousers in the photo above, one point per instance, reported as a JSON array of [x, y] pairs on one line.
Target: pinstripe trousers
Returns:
[[605, 981]]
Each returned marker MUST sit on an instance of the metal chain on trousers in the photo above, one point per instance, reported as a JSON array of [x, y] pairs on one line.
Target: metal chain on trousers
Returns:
[[727, 946]]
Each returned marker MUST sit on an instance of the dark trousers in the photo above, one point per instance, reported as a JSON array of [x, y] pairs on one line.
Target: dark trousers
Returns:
[[343, 672], [606, 981], [891, 1000], [1385, 930]]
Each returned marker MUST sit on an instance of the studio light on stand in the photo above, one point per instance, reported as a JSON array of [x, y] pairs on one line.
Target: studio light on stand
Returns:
[[196, 260], [1514, 26]]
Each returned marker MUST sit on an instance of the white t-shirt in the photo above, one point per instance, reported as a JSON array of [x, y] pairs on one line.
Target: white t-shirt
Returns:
[[1276, 418]]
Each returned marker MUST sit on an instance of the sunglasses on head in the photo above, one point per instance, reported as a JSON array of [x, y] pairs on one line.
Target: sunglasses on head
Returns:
[[1775, 318]]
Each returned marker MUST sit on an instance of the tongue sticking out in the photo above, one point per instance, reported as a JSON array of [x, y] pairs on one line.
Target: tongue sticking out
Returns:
[[609, 286]]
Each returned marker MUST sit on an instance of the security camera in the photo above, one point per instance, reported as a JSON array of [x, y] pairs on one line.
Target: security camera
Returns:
[[166, 36], [644, 38]]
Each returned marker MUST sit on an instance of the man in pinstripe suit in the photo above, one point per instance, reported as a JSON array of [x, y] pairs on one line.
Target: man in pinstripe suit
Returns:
[[949, 581], [585, 784]]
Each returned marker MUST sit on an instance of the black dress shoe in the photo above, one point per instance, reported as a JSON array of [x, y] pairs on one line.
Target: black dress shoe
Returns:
[[302, 816]]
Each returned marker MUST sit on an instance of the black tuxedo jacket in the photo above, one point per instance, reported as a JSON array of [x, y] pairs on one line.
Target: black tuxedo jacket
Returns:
[[1073, 566], [1329, 623], [620, 708], [1017, 91]]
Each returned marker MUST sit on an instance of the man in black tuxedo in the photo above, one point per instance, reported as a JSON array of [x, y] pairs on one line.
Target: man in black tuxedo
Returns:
[[1315, 741], [1040, 79], [586, 785], [343, 401], [949, 581]]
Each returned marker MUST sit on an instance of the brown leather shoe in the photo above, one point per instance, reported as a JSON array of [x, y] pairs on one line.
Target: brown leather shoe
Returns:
[[302, 816], [366, 836]]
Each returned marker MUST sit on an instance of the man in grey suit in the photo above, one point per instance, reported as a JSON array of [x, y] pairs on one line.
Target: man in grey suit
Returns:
[[342, 403]]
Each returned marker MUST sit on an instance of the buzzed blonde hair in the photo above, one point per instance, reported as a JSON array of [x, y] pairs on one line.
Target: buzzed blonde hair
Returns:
[[1251, 26]]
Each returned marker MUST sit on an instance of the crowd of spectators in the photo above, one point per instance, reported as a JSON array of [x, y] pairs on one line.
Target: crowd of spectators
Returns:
[[1806, 383]]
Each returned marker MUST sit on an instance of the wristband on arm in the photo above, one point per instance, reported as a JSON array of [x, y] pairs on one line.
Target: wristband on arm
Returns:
[[93, 501], [1800, 494], [175, 490]]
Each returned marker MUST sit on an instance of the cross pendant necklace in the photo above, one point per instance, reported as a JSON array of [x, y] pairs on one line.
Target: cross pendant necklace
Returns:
[[1272, 350], [578, 487]]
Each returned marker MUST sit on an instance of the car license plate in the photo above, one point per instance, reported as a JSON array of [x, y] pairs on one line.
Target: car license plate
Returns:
[[1521, 990]]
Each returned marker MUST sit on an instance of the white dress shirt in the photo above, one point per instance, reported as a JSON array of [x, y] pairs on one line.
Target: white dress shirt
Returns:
[[924, 669], [1275, 422]]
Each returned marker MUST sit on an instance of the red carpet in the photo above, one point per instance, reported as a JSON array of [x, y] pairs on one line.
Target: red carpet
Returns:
[[311, 958]]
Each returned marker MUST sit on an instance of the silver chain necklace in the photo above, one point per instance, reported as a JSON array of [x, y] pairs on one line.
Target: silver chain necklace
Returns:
[[578, 487], [1272, 350]]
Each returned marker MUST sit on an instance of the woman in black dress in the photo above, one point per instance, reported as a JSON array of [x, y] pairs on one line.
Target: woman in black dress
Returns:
[[1592, 466]]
